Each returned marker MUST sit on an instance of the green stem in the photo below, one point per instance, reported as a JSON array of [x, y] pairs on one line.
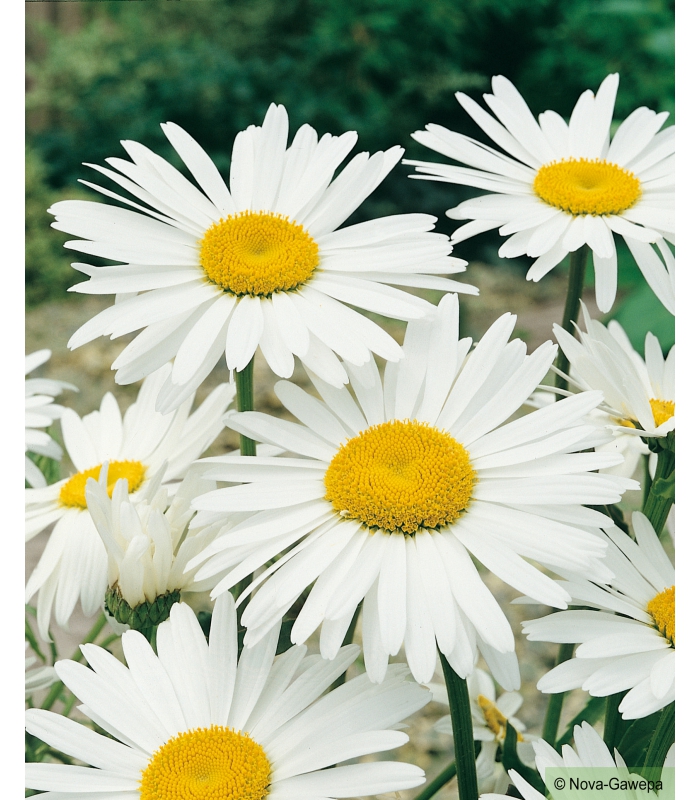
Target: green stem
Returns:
[[77, 656], [245, 402], [437, 783], [460, 711], [612, 720], [664, 736], [347, 639], [556, 701], [662, 492], [577, 272]]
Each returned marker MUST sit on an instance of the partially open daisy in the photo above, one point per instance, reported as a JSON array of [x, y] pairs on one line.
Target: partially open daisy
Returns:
[[393, 493], [628, 640], [639, 392], [589, 751], [258, 264], [39, 412], [558, 186], [196, 721], [74, 563]]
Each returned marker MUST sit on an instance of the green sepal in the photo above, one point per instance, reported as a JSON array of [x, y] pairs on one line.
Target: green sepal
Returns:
[[658, 443], [591, 713], [511, 760], [145, 616]]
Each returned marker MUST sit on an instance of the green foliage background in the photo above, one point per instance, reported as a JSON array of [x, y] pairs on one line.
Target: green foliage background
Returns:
[[116, 70]]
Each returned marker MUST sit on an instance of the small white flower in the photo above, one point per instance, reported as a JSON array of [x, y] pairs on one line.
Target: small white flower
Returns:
[[559, 187], [74, 563], [258, 263], [197, 721], [393, 493], [628, 638], [39, 412]]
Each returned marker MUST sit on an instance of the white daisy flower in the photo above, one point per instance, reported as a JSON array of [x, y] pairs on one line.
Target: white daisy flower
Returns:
[[393, 492], [148, 544], [193, 722], [74, 563], [39, 412], [589, 751], [259, 264], [36, 678], [559, 187], [639, 392], [628, 640], [490, 715]]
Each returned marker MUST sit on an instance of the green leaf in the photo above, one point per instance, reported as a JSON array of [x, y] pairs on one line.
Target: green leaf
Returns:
[[591, 713], [511, 760], [642, 311], [634, 743]]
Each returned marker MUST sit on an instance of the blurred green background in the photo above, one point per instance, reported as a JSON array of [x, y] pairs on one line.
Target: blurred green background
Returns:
[[99, 72]]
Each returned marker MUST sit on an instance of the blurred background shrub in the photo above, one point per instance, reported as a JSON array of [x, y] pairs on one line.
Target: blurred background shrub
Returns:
[[103, 71]]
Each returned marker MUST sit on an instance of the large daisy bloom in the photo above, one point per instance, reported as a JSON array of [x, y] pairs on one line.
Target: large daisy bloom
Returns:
[[148, 544], [639, 392], [589, 751], [39, 412], [557, 187], [197, 721], [490, 717], [390, 495], [217, 269], [74, 563], [628, 638]]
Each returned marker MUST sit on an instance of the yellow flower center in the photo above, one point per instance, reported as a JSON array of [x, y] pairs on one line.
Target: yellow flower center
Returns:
[[401, 476], [662, 410], [663, 610], [73, 490], [496, 721], [258, 254], [587, 186], [623, 422], [213, 763]]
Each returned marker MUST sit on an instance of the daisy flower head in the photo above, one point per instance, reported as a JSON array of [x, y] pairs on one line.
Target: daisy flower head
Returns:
[[198, 721], [387, 496], [259, 263], [639, 392], [627, 637], [74, 562], [589, 750], [39, 412], [557, 187]]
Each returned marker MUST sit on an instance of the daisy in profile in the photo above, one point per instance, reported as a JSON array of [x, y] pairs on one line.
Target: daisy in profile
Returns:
[[628, 638], [386, 497], [258, 263], [589, 751], [490, 716], [74, 563], [198, 721], [39, 412], [148, 544], [556, 187], [639, 392]]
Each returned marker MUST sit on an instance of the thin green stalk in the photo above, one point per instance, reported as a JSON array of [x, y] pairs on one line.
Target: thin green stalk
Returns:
[[664, 736], [92, 635], [245, 402], [460, 711], [613, 718], [437, 783], [662, 492], [556, 701], [577, 272], [347, 639]]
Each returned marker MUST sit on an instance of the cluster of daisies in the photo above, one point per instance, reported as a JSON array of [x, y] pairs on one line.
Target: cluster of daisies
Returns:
[[385, 504]]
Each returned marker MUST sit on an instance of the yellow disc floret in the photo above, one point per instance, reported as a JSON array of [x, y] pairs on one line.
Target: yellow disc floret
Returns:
[[663, 610], [258, 254], [401, 476], [587, 186], [662, 410], [213, 763], [496, 721], [73, 490]]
